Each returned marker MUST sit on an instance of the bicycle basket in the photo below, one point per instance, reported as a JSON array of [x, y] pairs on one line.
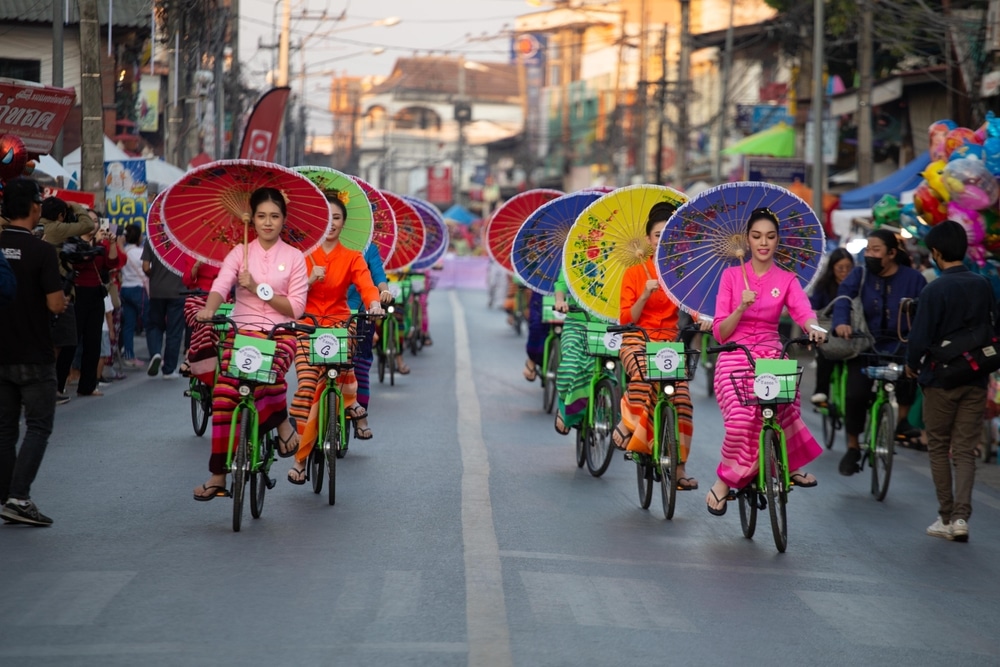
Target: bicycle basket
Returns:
[[252, 359], [773, 381], [669, 362], [418, 284], [225, 309], [328, 347], [601, 343], [549, 313]]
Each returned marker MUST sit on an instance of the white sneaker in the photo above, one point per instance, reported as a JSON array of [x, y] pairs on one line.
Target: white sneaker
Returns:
[[171, 376], [818, 398], [960, 530], [941, 529]]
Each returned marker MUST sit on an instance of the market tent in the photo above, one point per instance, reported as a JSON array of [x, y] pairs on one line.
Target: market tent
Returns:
[[49, 165], [775, 141], [907, 178], [163, 173], [111, 152], [460, 214]]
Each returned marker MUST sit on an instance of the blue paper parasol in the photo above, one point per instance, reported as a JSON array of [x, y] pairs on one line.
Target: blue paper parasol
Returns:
[[537, 252], [437, 238], [708, 235]]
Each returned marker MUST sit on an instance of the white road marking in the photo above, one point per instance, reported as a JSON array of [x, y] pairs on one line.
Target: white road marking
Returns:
[[485, 608]]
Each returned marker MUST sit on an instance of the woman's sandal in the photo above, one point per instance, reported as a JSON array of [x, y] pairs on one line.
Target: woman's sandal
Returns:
[[356, 412], [401, 367], [297, 477], [620, 437], [560, 425], [214, 491], [724, 500], [801, 479], [530, 371], [284, 442]]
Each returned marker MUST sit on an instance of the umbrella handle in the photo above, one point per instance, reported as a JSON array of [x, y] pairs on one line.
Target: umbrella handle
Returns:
[[246, 241], [746, 279]]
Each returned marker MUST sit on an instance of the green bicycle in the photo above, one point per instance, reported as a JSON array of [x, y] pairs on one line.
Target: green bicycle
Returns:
[[593, 438], [198, 392], [834, 408], [667, 363], [552, 351], [250, 453], [329, 348], [388, 349], [771, 383], [878, 439]]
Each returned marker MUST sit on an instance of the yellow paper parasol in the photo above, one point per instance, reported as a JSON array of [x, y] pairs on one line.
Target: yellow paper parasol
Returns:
[[607, 238]]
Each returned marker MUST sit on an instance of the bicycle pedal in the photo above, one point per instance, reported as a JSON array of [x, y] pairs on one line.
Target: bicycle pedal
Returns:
[[187, 393], [270, 481]]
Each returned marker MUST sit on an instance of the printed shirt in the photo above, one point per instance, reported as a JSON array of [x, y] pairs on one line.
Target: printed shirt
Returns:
[[344, 267], [282, 267], [25, 337], [659, 316]]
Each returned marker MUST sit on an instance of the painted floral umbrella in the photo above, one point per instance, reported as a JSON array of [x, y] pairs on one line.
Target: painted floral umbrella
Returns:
[[708, 234], [357, 232], [410, 233], [383, 219], [207, 211], [508, 218], [537, 252], [170, 254], [437, 234], [608, 237]]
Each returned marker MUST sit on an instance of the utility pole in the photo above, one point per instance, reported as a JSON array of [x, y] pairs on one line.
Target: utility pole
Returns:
[[642, 153], [683, 89], [92, 148], [283, 46], [864, 114], [818, 95], [57, 64], [661, 103], [174, 112], [727, 68]]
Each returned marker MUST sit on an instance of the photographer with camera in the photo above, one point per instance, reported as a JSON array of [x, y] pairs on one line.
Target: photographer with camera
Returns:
[[27, 370], [91, 256], [957, 317], [63, 223]]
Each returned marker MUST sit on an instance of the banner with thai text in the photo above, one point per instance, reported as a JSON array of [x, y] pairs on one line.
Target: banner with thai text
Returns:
[[125, 192], [34, 113]]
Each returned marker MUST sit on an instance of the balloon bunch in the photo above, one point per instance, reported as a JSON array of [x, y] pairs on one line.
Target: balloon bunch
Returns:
[[14, 160], [960, 184]]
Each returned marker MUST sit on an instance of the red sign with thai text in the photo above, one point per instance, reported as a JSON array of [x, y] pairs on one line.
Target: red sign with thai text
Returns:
[[77, 196], [439, 185], [34, 113]]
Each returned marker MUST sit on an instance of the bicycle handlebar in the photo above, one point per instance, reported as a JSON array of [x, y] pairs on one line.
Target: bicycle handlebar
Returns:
[[291, 326], [625, 328], [192, 292], [732, 347]]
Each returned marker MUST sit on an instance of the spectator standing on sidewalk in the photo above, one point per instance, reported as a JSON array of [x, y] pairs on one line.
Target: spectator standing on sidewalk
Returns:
[[958, 300], [134, 298], [27, 357], [166, 316]]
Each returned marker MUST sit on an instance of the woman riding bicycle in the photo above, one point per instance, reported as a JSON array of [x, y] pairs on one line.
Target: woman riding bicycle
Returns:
[[646, 305], [271, 287], [202, 339], [888, 279], [332, 269], [748, 310], [575, 368], [838, 267]]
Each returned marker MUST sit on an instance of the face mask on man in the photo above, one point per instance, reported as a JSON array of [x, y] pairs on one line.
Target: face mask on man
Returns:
[[873, 265]]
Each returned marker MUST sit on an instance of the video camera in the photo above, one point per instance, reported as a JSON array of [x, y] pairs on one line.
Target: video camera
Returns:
[[74, 251]]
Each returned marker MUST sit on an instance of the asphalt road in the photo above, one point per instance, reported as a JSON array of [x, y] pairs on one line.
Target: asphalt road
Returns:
[[464, 534]]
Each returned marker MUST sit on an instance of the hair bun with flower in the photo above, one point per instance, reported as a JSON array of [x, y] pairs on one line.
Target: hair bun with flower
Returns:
[[341, 195]]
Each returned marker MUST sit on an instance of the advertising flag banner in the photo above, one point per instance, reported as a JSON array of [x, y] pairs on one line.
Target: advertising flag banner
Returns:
[[125, 192], [260, 138]]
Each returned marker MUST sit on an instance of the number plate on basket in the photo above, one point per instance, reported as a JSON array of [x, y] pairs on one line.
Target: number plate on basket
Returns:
[[776, 380], [395, 290], [601, 343], [665, 361], [328, 346], [252, 357], [418, 284], [549, 313]]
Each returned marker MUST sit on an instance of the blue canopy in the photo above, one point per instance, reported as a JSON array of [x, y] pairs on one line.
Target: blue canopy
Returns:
[[460, 214], [905, 179]]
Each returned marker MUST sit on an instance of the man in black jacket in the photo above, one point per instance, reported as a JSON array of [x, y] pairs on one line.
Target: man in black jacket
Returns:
[[957, 302], [27, 359]]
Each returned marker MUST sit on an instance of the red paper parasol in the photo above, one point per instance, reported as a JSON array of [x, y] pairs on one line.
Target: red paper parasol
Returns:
[[410, 234], [508, 218], [384, 231], [172, 256], [204, 212]]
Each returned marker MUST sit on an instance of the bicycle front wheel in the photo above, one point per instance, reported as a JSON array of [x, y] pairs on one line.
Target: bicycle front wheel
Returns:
[[258, 480], [775, 491], [882, 451], [331, 444], [201, 407], [831, 424], [549, 376], [240, 468], [600, 449], [669, 459]]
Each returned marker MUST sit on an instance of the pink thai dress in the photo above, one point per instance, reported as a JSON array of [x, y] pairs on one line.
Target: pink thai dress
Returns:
[[757, 329]]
